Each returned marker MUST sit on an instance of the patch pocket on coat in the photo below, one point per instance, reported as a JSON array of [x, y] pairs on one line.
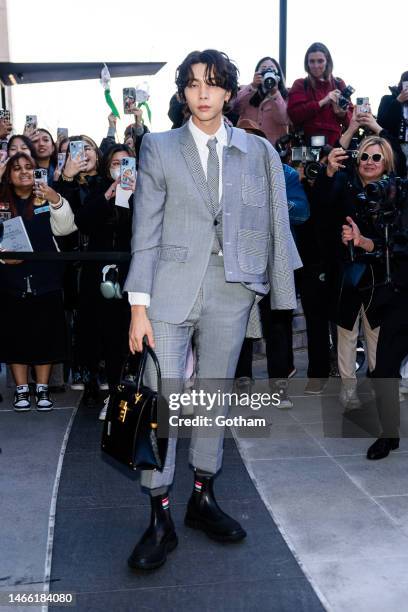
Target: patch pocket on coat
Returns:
[[253, 250], [169, 252], [253, 190]]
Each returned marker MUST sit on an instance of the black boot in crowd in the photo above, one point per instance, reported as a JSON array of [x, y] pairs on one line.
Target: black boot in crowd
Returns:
[[204, 513], [159, 538]]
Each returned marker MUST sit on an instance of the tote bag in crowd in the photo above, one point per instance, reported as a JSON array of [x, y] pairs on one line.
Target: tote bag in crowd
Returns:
[[130, 433]]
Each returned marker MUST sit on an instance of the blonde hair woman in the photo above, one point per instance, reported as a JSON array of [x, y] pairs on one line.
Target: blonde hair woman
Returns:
[[356, 293]]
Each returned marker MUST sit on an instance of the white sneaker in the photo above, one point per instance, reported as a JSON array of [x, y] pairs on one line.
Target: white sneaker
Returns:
[[43, 401], [102, 414], [349, 398], [22, 401]]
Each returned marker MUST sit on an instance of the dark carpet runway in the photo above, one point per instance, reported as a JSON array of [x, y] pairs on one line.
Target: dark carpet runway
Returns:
[[101, 513]]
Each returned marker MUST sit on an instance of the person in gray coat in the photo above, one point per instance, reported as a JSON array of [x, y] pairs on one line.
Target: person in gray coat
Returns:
[[210, 231]]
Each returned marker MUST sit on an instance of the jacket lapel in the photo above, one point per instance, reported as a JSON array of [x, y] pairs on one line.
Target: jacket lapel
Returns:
[[192, 157]]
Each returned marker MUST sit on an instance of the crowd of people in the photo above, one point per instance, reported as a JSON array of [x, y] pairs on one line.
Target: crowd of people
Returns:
[[78, 314]]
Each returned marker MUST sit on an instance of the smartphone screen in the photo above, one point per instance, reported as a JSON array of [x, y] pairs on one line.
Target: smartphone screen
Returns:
[[31, 121], [363, 105], [77, 150], [127, 172], [40, 176], [129, 100], [61, 160]]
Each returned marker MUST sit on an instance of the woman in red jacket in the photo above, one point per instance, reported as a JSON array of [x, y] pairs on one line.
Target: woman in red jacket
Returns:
[[313, 101]]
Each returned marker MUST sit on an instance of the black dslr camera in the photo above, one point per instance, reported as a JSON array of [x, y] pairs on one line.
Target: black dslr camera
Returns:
[[385, 206], [270, 79], [309, 156], [384, 198], [345, 95]]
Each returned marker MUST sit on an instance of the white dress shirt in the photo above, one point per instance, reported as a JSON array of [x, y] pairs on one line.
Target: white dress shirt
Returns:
[[200, 139]]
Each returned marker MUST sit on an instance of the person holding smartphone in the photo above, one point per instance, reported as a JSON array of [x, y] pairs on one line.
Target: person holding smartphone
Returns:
[[393, 115], [79, 177], [31, 291], [313, 102], [265, 100], [46, 151], [103, 322]]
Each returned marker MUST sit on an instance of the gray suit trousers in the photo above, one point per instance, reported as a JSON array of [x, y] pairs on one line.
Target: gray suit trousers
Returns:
[[218, 321]]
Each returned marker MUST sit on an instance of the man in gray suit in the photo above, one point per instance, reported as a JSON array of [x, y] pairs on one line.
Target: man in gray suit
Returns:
[[210, 231]]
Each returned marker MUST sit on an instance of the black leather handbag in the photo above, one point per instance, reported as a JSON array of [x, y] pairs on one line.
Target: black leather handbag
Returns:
[[130, 433]]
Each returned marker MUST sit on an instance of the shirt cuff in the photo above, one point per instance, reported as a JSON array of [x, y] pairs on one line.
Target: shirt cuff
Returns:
[[139, 299], [111, 132]]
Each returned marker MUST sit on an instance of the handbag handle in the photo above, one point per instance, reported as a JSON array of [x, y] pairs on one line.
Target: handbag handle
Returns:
[[147, 350]]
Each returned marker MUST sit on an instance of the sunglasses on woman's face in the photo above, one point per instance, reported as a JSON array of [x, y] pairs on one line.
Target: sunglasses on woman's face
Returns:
[[376, 157]]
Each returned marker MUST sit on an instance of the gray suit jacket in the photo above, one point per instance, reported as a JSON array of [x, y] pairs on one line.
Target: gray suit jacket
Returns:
[[173, 228]]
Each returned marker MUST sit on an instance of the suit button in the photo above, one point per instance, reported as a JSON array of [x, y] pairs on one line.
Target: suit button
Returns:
[[215, 222]]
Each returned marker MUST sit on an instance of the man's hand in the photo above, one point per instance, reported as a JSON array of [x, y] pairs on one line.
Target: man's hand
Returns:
[[140, 326]]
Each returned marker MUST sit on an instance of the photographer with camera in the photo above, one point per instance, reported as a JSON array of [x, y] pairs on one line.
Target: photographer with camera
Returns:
[[393, 116], [355, 297], [264, 100], [320, 103], [387, 201]]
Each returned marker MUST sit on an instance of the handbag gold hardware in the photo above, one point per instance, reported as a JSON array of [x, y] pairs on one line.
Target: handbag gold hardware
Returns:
[[123, 411]]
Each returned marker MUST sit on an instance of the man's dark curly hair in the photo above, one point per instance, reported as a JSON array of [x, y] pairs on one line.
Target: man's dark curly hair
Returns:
[[220, 71]]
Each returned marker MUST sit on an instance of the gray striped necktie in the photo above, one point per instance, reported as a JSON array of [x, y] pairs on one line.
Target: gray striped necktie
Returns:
[[213, 174]]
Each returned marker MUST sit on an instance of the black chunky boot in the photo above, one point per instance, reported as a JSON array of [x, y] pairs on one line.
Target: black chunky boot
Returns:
[[204, 513], [159, 538], [381, 448]]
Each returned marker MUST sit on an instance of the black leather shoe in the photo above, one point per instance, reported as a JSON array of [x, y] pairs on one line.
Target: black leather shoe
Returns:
[[90, 398], [382, 447], [204, 513], [159, 538]]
